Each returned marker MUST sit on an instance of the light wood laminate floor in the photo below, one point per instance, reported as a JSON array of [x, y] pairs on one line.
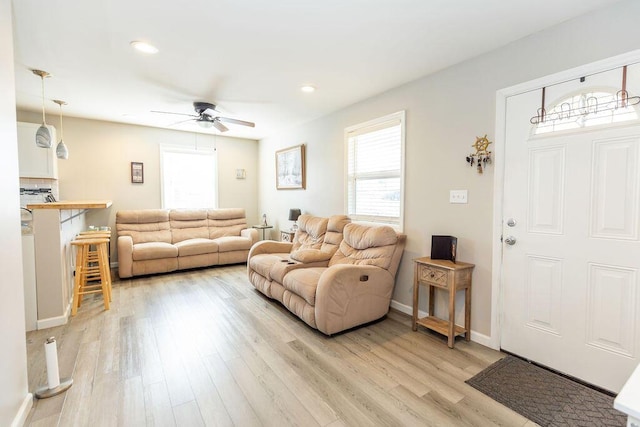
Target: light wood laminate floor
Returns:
[[203, 347]]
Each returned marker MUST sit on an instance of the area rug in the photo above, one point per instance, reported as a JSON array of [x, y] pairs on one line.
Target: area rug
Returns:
[[545, 397]]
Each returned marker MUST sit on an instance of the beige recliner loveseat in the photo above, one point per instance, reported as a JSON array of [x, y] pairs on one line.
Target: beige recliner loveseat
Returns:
[[335, 275], [163, 240]]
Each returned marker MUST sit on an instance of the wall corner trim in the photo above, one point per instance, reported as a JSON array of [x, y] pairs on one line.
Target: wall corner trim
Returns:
[[23, 412]]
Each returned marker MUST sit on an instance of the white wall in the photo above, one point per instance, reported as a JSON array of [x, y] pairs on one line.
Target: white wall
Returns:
[[100, 156], [14, 398], [446, 111]]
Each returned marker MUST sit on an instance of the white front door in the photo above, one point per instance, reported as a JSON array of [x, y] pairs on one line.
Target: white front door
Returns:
[[571, 251]]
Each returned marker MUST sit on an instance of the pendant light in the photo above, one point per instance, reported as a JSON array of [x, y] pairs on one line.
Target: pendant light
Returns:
[[43, 136], [62, 152]]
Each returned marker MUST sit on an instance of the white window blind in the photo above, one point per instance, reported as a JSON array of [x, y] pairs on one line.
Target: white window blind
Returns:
[[189, 178], [375, 170]]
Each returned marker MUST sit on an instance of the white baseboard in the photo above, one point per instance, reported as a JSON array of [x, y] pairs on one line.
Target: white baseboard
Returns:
[[55, 321], [406, 309], [23, 412], [482, 339]]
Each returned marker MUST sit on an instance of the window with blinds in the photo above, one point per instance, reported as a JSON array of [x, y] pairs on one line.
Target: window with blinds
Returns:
[[375, 170], [189, 178]]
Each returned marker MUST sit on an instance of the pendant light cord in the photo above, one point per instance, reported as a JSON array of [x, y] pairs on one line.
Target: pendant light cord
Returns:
[[43, 119], [61, 128]]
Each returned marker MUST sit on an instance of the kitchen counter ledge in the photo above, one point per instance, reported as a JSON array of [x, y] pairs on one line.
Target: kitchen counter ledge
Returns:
[[72, 204]]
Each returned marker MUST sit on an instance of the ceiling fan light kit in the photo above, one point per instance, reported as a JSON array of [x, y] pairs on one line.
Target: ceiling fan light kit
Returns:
[[205, 124], [43, 136]]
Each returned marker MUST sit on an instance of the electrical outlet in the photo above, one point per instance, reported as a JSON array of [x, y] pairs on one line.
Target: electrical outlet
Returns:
[[458, 196]]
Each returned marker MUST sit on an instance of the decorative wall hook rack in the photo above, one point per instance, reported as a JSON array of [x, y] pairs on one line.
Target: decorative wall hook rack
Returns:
[[586, 105], [482, 157]]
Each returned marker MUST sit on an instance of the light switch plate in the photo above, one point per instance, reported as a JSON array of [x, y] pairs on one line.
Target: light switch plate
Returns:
[[458, 196]]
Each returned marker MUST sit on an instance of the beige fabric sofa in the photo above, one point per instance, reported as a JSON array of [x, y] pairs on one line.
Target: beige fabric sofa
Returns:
[[334, 278], [162, 240]]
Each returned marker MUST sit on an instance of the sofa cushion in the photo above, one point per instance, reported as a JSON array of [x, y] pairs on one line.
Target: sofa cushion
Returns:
[[335, 230], [226, 222], [263, 263], [303, 282], [233, 243], [366, 245], [196, 246], [154, 250], [310, 233], [145, 225], [188, 224]]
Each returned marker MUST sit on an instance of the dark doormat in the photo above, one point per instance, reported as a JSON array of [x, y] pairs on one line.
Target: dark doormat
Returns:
[[545, 397]]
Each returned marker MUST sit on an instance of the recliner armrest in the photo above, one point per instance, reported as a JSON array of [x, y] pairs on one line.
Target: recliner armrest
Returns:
[[310, 255], [125, 256], [270, 247], [250, 233]]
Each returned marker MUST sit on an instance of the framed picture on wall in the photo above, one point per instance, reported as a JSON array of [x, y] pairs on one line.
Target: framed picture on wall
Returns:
[[137, 172], [290, 172]]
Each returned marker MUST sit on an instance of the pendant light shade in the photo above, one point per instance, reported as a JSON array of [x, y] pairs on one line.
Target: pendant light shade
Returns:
[[62, 152], [43, 136]]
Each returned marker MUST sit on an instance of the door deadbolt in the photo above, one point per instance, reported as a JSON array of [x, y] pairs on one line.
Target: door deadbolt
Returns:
[[511, 222]]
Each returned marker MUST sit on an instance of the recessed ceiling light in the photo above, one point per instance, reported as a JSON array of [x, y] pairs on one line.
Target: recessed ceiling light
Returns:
[[144, 47], [308, 88]]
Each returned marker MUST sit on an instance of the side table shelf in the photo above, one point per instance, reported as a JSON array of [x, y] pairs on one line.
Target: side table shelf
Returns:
[[450, 277], [439, 325]]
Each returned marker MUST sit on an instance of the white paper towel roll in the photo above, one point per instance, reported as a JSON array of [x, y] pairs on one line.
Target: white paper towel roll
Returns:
[[51, 356]]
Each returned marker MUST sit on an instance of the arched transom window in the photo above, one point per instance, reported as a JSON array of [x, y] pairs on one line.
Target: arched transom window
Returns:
[[586, 109]]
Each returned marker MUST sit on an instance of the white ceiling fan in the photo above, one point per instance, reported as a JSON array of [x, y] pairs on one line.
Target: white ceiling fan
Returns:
[[206, 119]]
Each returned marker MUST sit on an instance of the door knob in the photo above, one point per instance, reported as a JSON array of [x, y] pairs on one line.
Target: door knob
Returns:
[[510, 240], [511, 222]]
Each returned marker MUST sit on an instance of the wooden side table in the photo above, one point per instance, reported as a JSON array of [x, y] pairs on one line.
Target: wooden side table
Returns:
[[286, 235], [448, 276]]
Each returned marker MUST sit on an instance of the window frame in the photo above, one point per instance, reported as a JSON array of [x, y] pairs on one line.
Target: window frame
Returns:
[[374, 125], [188, 150]]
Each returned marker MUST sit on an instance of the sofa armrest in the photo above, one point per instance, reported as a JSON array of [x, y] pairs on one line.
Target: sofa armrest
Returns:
[[270, 247], [350, 295], [125, 256], [250, 233], [310, 255]]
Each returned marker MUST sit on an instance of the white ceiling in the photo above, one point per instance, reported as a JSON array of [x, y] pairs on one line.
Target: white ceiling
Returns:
[[251, 56]]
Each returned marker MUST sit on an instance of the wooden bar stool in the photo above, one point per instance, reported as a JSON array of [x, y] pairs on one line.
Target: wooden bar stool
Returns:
[[91, 267], [91, 234]]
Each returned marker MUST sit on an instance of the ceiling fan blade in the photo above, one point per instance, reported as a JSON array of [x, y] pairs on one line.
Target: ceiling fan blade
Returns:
[[236, 121], [181, 121], [175, 114], [220, 126]]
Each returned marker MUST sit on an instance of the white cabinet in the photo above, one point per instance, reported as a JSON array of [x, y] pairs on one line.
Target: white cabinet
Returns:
[[34, 161]]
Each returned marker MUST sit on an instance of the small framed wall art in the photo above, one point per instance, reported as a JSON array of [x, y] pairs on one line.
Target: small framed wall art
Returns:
[[137, 172], [290, 173]]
